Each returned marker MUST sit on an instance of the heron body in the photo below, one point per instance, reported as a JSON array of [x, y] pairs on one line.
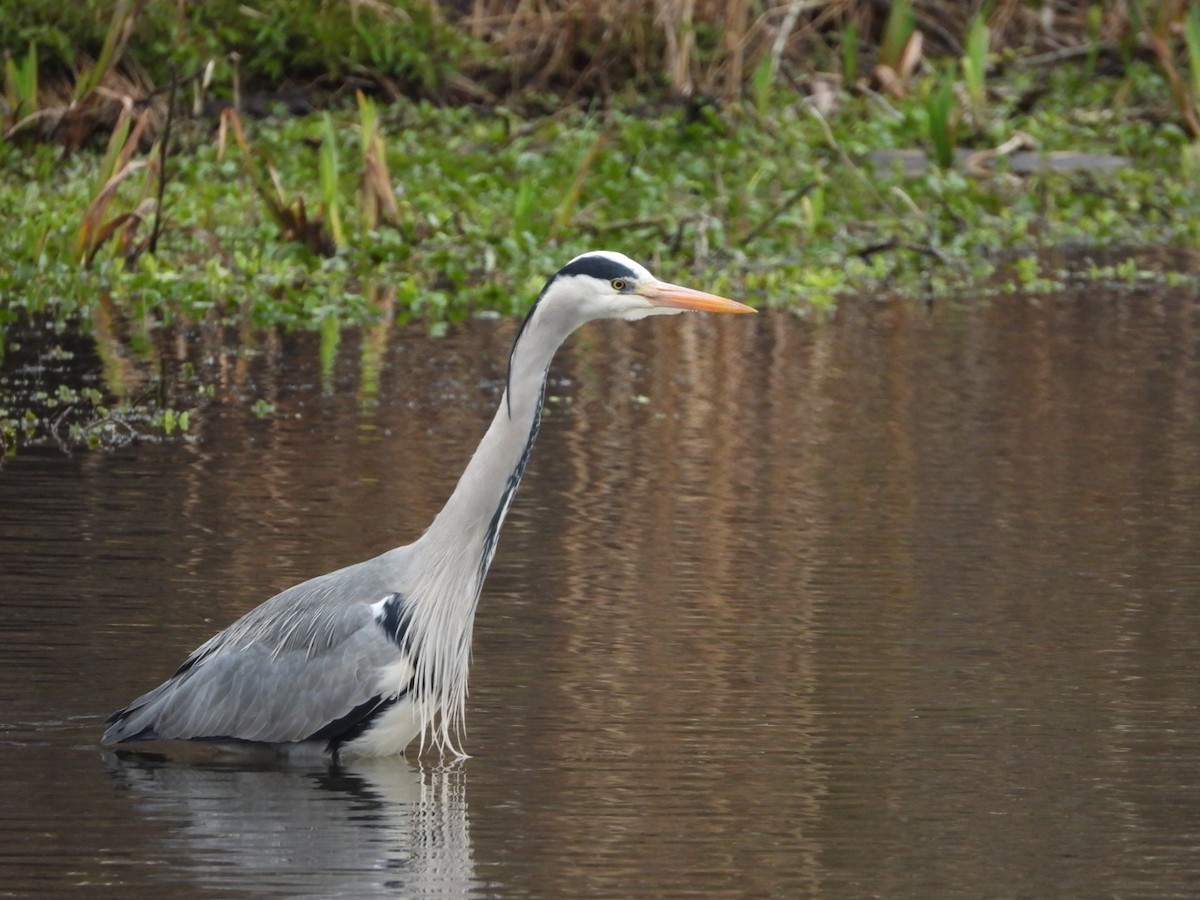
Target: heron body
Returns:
[[362, 660]]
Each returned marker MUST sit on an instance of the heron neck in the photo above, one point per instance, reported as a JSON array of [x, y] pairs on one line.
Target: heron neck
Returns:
[[469, 524]]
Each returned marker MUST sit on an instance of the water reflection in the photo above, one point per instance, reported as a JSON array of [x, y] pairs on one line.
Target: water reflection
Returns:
[[898, 604], [378, 828]]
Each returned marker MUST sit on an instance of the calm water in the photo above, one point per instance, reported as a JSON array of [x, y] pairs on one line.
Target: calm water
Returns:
[[902, 604]]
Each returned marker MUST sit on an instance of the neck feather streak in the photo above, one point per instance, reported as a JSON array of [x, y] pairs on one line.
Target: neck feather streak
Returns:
[[453, 556]]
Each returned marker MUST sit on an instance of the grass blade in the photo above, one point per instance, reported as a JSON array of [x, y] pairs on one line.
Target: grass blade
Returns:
[[1191, 34], [21, 85], [942, 126], [900, 25], [974, 67], [328, 165], [120, 29], [850, 55], [566, 209], [378, 199]]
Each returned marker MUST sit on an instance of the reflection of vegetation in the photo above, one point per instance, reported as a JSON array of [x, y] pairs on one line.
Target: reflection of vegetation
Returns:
[[374, 345], [52, 395]]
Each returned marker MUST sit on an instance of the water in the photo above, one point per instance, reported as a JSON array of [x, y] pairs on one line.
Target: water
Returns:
[[900, 604]]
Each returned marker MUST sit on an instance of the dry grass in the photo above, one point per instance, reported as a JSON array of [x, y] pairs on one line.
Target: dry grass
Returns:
[[62, 118], [99, 96], [598, 46], [585, 47]]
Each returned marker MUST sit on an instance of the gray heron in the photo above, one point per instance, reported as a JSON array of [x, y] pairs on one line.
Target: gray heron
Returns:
[[362, 660]]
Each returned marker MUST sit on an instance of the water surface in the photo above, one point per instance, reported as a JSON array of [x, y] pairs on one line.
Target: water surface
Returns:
[[904, 603]]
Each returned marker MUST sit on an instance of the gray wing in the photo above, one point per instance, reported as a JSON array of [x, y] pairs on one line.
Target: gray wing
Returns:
[[304, 665]]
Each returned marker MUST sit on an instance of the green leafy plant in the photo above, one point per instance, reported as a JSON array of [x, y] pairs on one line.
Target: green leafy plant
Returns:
[[524, 206], [941, 109], [899, 49], [974, 67], [1191, 34], [897, 32], [120, 28], [20, 87], [117, 166], [1187, 96], [760, 85], [812, 205], [570, 201], [1095, 19], [291, 216], [175, 420], [377, 197], [850, 55], [330, 192]]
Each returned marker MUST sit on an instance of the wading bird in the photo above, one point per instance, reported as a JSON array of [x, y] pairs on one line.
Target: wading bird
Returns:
[[360, 661]]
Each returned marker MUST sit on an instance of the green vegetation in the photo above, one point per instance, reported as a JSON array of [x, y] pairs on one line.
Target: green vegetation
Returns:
[[295, 216], [188, 205], [267, 42]]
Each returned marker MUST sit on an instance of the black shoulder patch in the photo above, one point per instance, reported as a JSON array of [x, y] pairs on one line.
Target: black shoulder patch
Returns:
[[396, 619], [598, 267]]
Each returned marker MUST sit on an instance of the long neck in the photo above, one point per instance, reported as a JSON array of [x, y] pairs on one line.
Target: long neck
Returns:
[[449, 561], [468, 526]]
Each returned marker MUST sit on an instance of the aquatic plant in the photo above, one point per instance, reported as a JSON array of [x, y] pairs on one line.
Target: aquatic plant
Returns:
[[974, 68], [377, 197], [120, 28], [1191, 34], [1186, 92], [941, 113], [20, 88], [116, 166], [330, 193], [899, 49], [290, 215], [849, 44]]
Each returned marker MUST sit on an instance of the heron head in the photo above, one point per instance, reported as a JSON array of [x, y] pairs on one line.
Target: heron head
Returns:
[[602, 284]]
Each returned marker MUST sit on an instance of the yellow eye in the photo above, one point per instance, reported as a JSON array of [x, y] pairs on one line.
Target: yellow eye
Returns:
[[618, 284]]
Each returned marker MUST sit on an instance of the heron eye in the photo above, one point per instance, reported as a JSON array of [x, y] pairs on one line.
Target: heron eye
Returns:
[[618, 284]]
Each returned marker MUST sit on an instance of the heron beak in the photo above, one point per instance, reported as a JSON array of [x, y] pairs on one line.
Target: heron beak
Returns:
[[672, 296]]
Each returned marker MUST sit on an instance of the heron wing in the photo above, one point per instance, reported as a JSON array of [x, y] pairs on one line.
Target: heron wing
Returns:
[[310, 663]]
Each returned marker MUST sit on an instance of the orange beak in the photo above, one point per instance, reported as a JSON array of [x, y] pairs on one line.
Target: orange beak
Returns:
[[672, 296]]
